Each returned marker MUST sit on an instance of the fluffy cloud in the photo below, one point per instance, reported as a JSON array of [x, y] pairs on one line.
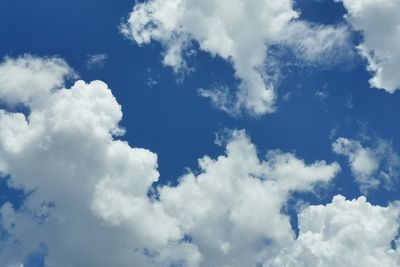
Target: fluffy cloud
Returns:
[[87, 188], [371, 166], [27, 79], [344, 233], [238, 31], [88, 203], [232, 209], [379, 22]]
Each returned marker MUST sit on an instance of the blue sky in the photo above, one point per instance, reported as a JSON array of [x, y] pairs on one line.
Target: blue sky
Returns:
[[318, 101]]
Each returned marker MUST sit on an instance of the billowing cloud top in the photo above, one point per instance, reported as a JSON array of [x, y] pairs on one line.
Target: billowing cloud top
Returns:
[[89, 201], [344, 233]]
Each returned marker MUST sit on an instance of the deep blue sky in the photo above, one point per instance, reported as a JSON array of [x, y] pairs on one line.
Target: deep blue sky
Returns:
[[170, 119]]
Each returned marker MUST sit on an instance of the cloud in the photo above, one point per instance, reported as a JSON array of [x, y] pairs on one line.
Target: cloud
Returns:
[[96, 61], [323, 93], [232, 209], [315, 44], [88, 201], [379, 23], [371, 166], [82, 182], [240, 32], [344, 233], [28, 79]]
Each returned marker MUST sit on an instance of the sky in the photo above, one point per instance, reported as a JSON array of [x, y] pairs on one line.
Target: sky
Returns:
[[199, 133]]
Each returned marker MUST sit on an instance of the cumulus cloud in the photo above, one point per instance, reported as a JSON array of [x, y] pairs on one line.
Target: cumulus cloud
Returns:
[[379, 23], [344, 233], [87, 188], [238, 31], [372, 166], [27, 79], [232, 209], [88, 201]]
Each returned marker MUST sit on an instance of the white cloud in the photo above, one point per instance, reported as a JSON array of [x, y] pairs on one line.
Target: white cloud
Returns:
[[232, 209], [87, 187], [67, 154], [96, 61], [238, 31], [317, 44], [344, 233], [89, 203], [371, 166], [379, 22], [27, 79]]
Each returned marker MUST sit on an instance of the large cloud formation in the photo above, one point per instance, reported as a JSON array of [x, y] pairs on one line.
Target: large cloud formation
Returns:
[[232, 209], [379, 22], [344, 233], [88, 201], [86, 187], [240, 32]]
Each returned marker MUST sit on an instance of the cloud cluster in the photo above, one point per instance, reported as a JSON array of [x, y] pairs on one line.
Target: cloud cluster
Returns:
[[65, 155], [371, 166], [238, 31], [344, 233], [89, 201], [379, 22], [232, 209]]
